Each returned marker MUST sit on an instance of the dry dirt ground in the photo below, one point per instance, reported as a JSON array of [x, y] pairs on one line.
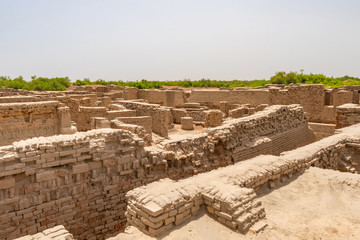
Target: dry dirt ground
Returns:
[[177, 133], [318, 204]]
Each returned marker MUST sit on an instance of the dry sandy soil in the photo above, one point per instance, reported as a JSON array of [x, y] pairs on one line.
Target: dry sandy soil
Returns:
[[318, 204], [177, 133]]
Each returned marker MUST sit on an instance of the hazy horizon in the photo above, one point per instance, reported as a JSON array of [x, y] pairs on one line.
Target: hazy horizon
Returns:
[[175, 40]]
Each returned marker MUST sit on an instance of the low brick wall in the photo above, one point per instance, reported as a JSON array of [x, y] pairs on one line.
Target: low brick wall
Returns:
[[347, 115], [144, 121], [322, 130], [55, 233], [26, 120], [84, 117], [234, 207], [80, 180], [271, 131], [229, 193], [161, 116], [120, 113]]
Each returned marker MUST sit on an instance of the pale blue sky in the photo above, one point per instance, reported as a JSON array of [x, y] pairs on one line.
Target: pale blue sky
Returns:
[[177, 39]]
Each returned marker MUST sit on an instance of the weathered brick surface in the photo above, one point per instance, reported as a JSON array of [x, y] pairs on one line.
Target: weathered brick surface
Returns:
[[231, 197], [347, 115], [54, 233], [80, 180], [71, 191], [20, 121], [161, 116]]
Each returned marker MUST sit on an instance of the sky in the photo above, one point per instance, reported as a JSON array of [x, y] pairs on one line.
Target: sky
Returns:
[[178, 39]]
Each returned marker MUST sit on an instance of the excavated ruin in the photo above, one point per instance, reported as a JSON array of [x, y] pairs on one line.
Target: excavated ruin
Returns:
[[126, 163]]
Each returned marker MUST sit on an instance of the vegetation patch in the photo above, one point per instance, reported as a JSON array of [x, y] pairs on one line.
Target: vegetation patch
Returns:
[[61, 84]]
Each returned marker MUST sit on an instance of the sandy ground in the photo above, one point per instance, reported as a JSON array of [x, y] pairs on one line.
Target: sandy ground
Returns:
[[318, 204], [177, 133]]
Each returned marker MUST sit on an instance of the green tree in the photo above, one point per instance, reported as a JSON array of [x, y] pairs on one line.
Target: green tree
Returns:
[[17, 83], [278, 78]]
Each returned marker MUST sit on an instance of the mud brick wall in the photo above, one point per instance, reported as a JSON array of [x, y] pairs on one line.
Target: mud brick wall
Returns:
[[161, 116], [33, 97], [26, 120], [144, 121], [174, 98], [346, 158], [274, 144], [311, 98], [84, 117], [78, 181], [328, 115], [347, 115], [136, 129], [55, 233], [92, 98], [13, 92], [177, 114], [229, 193], [170, 98], [237, 112], [162, 205], [198, 115], [322, 130], [272, 131], [342, 97], [130, 93], [213, 118], [120, 113], [153, 96], [115, 94], [254, 96], [74, 107], [18, 99]]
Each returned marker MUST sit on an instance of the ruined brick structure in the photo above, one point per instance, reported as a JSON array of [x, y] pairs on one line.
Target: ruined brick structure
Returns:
[[92, 171], [77, 158]]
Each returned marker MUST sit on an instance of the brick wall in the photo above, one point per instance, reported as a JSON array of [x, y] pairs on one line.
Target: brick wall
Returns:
[[311, 97], [272, 131], [231, 198], [161, 116], [26, 120], [80, 180], [253, 96], [347, 115]]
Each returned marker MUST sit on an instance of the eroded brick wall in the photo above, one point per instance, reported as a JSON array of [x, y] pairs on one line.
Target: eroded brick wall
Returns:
[[347, 115], [272, 131], [161, 116], [25, 120], [80, 180], [231, 197]]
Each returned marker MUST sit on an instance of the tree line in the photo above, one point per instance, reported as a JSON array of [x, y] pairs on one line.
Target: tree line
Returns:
[[36, 83], [62, 83]]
